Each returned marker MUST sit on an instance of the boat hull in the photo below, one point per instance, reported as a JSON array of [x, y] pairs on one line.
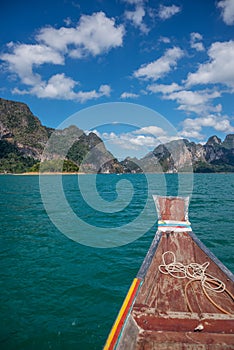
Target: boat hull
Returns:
[[170, 310]]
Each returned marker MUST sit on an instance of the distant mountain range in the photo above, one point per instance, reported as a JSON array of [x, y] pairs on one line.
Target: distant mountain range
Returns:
[[23, 141], [184, 156]]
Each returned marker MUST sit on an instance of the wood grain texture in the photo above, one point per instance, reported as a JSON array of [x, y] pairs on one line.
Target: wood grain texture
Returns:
[[161, 313], [168, 310]]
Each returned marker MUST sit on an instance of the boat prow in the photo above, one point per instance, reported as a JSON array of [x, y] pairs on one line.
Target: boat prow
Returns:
[[182, 296]]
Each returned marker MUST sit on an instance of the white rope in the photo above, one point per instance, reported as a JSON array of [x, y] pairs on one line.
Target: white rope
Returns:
[[192, 271]]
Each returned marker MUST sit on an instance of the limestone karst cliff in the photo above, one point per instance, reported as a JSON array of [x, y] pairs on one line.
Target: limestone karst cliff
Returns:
[[24, 144]]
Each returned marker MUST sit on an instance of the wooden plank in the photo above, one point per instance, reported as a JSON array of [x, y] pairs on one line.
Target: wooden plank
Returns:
[[168, 292], [167, 310], [149, 257], [151, 277], [149, 340], [164, 292], [171, 208], [208, 253], [205, 305], [222, 299], [151, 322]]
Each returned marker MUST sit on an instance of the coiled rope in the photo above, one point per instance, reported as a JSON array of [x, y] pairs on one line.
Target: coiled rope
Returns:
[[194, 272]]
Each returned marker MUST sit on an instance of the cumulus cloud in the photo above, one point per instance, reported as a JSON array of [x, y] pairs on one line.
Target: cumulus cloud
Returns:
[[163, 88], [93, 35], [23, 58], [166, 12], [164, 39], [194, 101], [58, 86], [136, 17], [193, 127], [135, 2], [125, 95], [141, 140], [159, 68], [151, 130], [219, 69], [61, 87], [67, 21], [196, 41], [135, 143], [84, 96], [189, 101], [130, 141], [227, 11]]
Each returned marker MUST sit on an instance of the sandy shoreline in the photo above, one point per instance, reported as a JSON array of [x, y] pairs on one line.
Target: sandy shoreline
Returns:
[[45, 173], [77, 173]]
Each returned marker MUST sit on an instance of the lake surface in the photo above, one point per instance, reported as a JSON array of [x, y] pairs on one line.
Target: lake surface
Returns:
[[56, 293]]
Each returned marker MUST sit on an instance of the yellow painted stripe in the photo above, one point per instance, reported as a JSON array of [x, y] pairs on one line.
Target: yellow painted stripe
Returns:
[[121, 312]]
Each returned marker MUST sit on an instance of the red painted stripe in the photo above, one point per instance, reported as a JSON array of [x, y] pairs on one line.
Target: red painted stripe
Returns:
[[171, 227], [123, 318]]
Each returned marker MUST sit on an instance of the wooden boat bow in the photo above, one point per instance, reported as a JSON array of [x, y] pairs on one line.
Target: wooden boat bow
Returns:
[[182, 297]]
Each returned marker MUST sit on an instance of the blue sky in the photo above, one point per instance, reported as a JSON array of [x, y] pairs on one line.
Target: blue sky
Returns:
[[175, 57]]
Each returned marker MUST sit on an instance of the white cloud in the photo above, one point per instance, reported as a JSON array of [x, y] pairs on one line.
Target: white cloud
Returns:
[[164, 39], [195, 101], [136, 17], [128, 95], [220, 68], [58, 87], [161, 66], [166, 12], [129, 141], [135, 2], [164, 89], [105, 90], [84, 96], [192, 97], [196, 41], [61, 87], [227, 11], [200, 108], [190, 133], [148, 137], [67, 21], [196, 36], [136, 143], [94, 34], [23, 58], [198, 46], [151, 130], [193, 127], [187, 100]]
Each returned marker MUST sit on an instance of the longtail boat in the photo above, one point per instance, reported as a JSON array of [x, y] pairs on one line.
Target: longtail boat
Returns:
[[182, 296]]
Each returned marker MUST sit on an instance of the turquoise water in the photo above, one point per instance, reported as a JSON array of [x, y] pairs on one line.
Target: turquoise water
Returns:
[[58, 294]]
